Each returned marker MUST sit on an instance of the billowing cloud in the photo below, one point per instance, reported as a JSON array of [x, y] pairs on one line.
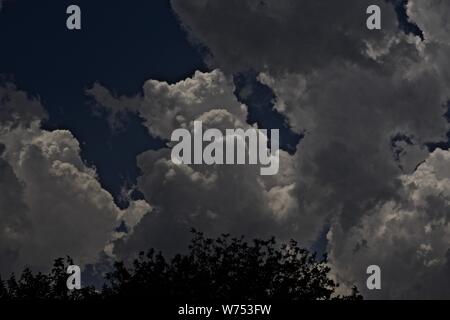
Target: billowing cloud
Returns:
[[51, 203], [214, 199], [368, 103], [365, 130], [408, 238], [166, 107], [353, 117]]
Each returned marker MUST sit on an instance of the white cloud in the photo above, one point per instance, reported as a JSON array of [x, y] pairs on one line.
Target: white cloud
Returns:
[[213, 199], [52, 204], [165, 107]]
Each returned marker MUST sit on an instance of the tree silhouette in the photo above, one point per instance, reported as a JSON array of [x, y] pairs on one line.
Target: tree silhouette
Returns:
[[218, 269], [41, 286]]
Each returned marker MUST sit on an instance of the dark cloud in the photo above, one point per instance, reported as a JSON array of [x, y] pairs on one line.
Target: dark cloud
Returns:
[[15, 225], [17, 108], [282, 36], [352, 92], [407, 238]]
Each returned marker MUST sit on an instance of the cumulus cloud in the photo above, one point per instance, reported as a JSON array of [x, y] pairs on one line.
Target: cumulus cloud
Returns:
[[408, 238], [51, 202], [214, 199], [352, 117], [166, 107], [368, 103]]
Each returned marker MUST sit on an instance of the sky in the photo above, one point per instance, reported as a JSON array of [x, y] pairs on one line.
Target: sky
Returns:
[[86, 117], [120, 46]]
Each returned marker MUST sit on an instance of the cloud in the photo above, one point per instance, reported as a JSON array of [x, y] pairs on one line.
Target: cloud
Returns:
[[408, 238], [13, 214], [368, 103], [18, 108], [214, 199], [348, 167], [282, 36], [431, 17], [52, 204], [353, 116], [166, 107]]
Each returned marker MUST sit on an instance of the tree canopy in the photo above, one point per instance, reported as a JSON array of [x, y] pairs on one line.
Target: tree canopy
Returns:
[[219, 269]]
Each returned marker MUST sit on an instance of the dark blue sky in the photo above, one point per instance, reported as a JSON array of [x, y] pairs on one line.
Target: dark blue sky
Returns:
[[120, 45]]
